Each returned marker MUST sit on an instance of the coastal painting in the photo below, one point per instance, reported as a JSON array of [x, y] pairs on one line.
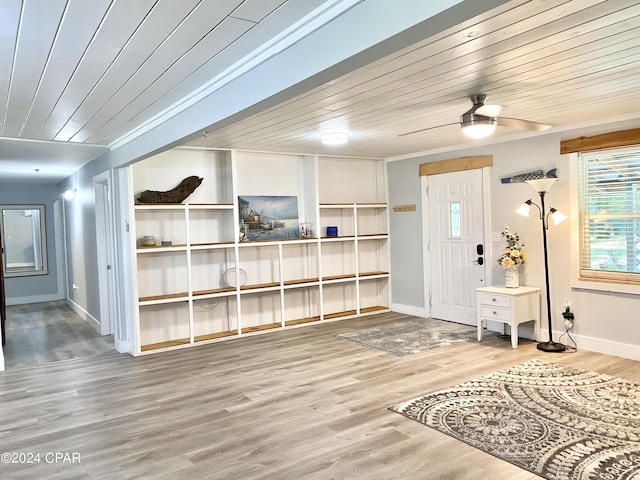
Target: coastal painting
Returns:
[[268, 217]]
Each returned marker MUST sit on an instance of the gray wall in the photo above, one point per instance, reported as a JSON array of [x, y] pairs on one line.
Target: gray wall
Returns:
[[406, 244], [80, 229], [37, 288]]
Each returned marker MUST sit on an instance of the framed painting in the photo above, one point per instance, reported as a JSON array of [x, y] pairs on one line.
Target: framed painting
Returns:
[[268, 217]]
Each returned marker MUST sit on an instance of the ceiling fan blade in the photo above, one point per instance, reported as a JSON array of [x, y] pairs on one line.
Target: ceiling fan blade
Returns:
[[489, 110], [425, 129], [521, 124]]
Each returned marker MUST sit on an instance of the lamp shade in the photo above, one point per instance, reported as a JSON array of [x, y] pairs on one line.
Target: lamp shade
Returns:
[[542, 184], [557, 216], [69, 194], [524, 209]]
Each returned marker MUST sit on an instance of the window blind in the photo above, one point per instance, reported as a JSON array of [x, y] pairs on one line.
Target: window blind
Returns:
[[609, 215]]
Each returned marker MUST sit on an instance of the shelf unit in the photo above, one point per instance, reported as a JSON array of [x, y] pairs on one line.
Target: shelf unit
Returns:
[[210, 284]]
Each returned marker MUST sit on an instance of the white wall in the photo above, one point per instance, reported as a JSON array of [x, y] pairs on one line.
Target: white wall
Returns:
[[604, 322]]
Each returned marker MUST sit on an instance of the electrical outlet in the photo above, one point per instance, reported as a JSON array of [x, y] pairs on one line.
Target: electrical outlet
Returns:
[[568, 316]]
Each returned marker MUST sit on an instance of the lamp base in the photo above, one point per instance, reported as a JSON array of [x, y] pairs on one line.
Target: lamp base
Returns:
[[552, 347]]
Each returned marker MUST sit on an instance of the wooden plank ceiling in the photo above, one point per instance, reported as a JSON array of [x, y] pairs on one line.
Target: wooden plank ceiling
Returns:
[[557, 62], [89, 71], [92, 71]]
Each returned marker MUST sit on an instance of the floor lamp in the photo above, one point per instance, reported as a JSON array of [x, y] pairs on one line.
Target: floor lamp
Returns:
[[542, 186]]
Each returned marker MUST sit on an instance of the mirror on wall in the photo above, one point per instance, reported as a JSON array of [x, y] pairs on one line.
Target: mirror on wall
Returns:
[[23, 240]]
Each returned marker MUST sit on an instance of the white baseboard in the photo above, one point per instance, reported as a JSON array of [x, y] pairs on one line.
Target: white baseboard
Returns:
[[86, 316], [624, 350], [409, 310], [34, 299]]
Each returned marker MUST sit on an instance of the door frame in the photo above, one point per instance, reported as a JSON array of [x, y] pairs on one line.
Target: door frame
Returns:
[[108, 303], [484, 162]]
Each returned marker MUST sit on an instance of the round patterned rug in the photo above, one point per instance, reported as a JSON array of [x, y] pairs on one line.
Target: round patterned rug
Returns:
[[555, 421]]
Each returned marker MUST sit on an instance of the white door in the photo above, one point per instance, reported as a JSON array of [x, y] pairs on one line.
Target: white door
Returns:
[[456, 241]]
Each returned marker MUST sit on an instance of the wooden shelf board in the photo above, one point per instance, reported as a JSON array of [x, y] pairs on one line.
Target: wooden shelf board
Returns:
[[336, 205], [365, 235], [260, 328], [341, 237], [284, 240], [374, 309], [274, 241], [169, 343], [176, 246], [301, 281], [211, 244], [212, 336], [339, 277], [300, 321], [158, 206], [170, 296], [256, 286], [371, 274], [212, 291], [351, 205], [347, 313], [211, 205]]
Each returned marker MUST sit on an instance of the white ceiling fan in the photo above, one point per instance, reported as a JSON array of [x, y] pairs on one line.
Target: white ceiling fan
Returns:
[[481, 120]]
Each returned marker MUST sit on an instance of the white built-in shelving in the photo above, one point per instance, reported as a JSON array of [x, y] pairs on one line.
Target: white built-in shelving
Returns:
[[202, 282]]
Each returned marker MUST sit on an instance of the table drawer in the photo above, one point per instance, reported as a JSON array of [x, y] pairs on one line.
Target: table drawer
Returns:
[[495, 299], [489, 312]]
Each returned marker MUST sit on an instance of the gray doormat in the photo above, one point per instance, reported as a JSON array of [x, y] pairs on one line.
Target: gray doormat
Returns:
[[555, 421], [412, 336]]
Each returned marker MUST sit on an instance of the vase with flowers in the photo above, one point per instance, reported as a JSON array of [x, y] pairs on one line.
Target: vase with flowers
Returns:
[[512, 257]]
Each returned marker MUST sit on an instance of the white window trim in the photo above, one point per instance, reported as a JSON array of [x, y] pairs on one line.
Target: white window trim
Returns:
[[576, 282]]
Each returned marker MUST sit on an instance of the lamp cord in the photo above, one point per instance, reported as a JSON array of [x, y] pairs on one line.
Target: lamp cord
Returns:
[[570, 348]]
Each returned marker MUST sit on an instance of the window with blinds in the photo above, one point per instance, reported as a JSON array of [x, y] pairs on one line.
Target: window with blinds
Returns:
[[609, 215]]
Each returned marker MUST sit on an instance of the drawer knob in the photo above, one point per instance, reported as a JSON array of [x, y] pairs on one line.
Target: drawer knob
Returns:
[[493, 299], [495, 313]]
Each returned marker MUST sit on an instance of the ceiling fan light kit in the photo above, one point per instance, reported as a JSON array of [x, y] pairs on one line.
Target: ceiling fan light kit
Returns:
[[477, 126], [481, 120]]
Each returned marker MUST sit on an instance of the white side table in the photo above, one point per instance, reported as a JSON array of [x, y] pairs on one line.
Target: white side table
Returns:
[[511, 306]]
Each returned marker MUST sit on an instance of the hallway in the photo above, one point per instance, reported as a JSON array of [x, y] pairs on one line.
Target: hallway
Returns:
[[47, 332]]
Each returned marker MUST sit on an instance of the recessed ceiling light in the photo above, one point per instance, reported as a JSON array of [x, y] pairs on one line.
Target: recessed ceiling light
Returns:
[[334, 138]]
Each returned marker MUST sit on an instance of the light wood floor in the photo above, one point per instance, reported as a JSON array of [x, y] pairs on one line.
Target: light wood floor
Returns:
[[298, 404], [46, 332]]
